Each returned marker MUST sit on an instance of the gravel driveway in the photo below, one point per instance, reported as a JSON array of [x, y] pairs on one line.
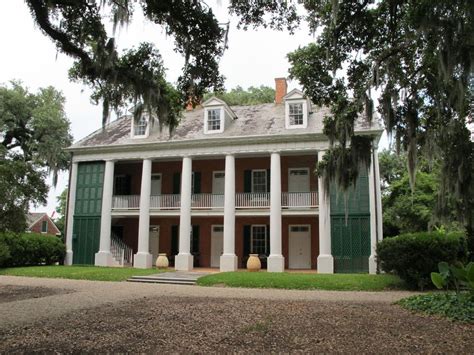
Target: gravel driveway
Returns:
[[120, 317]]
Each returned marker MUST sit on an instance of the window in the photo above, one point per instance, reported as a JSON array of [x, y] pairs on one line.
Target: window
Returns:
[[258, 242], [44, 227], [259, 181], [140, 127], [296, 114], [214, 119], [299, 229], [122, 185], [299, 172]]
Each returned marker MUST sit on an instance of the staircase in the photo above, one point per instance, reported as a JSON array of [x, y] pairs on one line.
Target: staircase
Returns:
[[173, 278], [121, 252]]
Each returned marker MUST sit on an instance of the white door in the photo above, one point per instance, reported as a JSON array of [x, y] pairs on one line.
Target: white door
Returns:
[[155, 191], [154, 243], [217, 245], [218, 181], [298, 180], [299, 253]]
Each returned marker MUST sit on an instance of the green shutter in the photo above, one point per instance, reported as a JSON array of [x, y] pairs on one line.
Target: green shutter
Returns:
[[174, 240], [268, 180], [197, 182], [87, 212], [246, 240], [350, 235], [195, 240], [177, 183], [248, 181]]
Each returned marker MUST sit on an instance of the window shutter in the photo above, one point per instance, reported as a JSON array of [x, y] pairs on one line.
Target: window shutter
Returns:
[[267, 241], [248, 181], [197, 182], [174, 240], [247, 240], [268, 180], [195, 240], [128, 185], [176, 183]]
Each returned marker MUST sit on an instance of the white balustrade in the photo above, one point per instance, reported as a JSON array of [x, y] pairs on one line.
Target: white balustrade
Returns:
[[299, 199], [252, 200], [126, 202], [203, 201], [167, 201]]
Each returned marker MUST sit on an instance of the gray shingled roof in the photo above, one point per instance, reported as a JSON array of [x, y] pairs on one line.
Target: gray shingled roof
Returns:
[[32, 217], [256, 120]]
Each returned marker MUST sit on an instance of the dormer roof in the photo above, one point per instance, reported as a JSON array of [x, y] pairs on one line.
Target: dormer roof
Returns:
[[294, 94], [216, 102]]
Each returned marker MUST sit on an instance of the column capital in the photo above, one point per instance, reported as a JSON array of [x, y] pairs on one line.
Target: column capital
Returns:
[[110, 160], [275, 151]]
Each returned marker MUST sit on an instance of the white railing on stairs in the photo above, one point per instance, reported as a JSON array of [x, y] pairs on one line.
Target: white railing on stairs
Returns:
[[121, 252]]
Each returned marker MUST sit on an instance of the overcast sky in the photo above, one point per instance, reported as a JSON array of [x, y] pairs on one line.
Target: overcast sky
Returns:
[[254, 58]]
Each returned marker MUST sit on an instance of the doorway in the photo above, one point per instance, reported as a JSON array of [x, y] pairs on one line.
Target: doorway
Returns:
[[217, 244], [299, 247]]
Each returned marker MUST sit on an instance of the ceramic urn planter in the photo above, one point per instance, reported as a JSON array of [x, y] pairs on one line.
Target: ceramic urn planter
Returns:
[[253, 263], [162, 261]]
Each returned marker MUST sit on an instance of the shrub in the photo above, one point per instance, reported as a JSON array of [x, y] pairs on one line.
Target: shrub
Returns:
[[414, 256], [30, 249]]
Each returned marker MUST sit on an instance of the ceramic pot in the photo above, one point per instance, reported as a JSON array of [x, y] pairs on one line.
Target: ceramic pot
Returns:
[[162, 261], [253, 263]]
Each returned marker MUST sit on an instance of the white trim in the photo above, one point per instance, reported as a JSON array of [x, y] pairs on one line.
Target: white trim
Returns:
[[221, 117], [304, 104], [147, 131], [251, 237], [266, 179]]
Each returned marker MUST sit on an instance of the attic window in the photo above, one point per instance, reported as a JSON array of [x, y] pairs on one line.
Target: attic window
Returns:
[[140, 127], [296, 114], [214, 120]]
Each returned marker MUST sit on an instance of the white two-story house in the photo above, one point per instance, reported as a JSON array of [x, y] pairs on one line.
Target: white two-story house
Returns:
[[228, 182]]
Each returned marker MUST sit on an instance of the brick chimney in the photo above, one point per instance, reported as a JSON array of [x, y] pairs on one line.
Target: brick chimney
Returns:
[[280, 89]]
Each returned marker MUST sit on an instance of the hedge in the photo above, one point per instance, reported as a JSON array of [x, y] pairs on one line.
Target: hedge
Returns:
[[30, 249], [414, 256]]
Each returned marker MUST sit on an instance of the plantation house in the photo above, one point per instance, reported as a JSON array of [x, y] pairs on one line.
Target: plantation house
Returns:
[[228, 182]]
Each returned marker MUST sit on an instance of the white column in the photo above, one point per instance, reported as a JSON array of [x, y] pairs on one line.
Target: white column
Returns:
[[228, 260], [325, 258], [276, 261], [104, 257], [70, 212], [184, 260], [143, 259], [378, 195], [373, 218]]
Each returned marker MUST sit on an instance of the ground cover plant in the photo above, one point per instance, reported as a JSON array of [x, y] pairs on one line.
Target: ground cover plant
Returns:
[[286, 280], [414, 256], [79, 272]]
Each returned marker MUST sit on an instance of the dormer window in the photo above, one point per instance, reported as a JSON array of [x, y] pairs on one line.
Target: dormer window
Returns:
[[214, 120], [140, 127], [296, 114]]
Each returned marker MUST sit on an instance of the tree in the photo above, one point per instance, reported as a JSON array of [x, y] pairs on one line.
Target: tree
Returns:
[[79, 29], [33, 132], [241, 97], [61, 210]]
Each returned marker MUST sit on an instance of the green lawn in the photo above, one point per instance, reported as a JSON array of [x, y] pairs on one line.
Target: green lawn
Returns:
[[338, 282], [94, 273]]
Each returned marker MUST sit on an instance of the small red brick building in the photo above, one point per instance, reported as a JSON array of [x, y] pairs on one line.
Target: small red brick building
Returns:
[[40, 222]]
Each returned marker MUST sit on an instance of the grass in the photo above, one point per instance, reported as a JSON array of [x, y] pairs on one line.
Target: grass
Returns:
[[94, 273], [456, 307], [337, 282]]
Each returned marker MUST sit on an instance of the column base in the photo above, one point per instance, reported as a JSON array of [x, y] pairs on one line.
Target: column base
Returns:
[[143, 260], [372, 264], [68, 258], [104, 258], [275, 263], [228, 262], [325, 264], [183, 262]]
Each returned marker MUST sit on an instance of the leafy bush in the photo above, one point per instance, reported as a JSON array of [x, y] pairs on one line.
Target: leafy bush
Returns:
[[457, 307], [414, 256], [458, 277], [30, 249]]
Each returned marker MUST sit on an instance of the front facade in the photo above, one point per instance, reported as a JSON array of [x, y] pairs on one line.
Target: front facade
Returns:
[[227, 183]]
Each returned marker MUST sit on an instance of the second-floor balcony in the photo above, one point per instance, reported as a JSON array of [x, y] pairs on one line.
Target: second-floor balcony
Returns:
[[243, 200]]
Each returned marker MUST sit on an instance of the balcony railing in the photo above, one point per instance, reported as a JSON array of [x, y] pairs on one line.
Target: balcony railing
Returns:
[[299, 199], [252, 200], [243, 200]]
